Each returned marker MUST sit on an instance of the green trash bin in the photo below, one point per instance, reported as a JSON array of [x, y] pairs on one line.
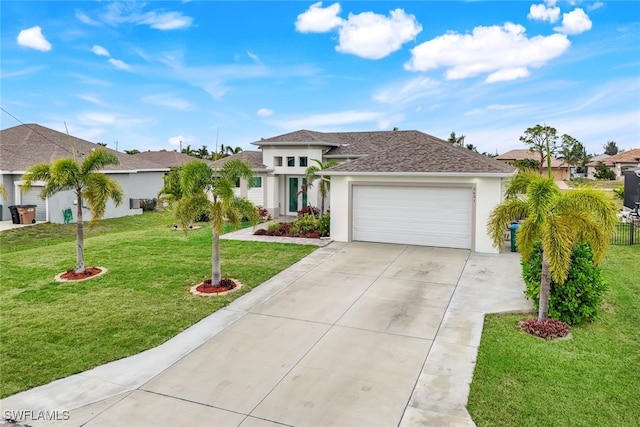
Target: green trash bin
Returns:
[[514, 229]]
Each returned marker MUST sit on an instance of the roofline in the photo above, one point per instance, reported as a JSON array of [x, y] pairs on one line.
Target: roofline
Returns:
[[426, 174], [100, 171], [345, 156], [290, 143]]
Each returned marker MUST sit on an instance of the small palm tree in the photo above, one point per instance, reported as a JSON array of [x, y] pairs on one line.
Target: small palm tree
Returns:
[[211, 191], [86, 181], [559, 220], [311, 174], [231, 150]]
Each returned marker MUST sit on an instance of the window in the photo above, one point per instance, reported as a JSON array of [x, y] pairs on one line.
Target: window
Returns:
[[303, 162], [237, 182], [256, 182], [277, 161], [291, 161]]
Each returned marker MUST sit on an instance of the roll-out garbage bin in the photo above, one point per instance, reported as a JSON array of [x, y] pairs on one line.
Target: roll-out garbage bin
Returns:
[[27, 214], [514, 229], [15, 218]]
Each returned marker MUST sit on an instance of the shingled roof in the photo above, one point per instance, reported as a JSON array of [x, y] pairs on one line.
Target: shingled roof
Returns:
[[25, 145], [253, 158], [169, 159], [391, 152], [630, 156], [521, 154]]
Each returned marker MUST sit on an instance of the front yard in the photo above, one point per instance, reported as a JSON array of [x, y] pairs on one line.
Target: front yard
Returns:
[[50, 330], [591, 379]]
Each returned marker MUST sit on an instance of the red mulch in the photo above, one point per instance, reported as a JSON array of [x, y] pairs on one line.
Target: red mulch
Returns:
[[207, 288], [88, 272]]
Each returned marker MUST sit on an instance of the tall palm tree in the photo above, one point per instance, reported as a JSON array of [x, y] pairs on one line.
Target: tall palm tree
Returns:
[[559, 220], [311, 174], [211, 191], [86, 181], [231, 150]]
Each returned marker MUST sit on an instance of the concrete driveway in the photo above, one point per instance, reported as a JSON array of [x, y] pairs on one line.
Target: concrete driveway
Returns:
[[357, 334]]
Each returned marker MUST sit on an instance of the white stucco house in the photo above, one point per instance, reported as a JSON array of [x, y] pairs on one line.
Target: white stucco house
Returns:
[[29, 144], [390, 186]]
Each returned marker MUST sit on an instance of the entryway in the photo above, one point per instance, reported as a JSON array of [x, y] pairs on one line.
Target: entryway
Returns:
[[297, 194]]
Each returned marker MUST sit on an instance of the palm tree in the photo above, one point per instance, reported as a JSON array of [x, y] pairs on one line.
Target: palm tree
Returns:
[[211, 191], [559, 220], [231, 150], [86, 181], [311, 174]]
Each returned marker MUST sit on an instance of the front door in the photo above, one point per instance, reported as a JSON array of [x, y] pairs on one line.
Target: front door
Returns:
[[297, 194]]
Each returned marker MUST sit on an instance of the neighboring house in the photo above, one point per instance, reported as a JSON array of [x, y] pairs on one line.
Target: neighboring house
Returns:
[[25, 145], [168, 159], [558, 167], [619, 163], [590, 168], [256, 191], [391, 186]]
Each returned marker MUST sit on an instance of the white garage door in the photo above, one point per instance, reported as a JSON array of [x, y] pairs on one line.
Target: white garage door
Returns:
[[32, 197], [428, 216]]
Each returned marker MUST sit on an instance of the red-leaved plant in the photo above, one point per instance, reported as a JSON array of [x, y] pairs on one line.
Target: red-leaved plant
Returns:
[[548, 329]]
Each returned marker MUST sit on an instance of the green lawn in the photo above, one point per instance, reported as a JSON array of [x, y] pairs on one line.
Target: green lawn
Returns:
[[589, 380], [50, 330]]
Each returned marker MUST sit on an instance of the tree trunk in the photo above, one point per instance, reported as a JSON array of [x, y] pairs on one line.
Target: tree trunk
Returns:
[[79, 237], [545, 286], [215, 269]]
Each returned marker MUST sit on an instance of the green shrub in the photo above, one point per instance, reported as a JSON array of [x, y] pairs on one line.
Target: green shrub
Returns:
[[273, 227], [324, 226], [579, 298], [619, 192], [603, 172], [306, 223]]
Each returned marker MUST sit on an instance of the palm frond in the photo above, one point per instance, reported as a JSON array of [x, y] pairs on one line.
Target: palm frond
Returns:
[[518, 184], [542, 194], [558, 242], [97, 160], [38, 172], [65, 173], [195, 177], [99, 188], [527, 236], [503, 215]]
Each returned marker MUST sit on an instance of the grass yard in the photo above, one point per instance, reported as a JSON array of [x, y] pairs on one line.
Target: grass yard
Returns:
[[50, 330], [591, 379]]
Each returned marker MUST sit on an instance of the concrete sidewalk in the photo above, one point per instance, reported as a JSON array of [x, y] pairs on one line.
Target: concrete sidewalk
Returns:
[[354, 334]]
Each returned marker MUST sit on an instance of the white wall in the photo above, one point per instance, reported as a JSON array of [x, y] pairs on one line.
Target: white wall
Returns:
[[488, 195]]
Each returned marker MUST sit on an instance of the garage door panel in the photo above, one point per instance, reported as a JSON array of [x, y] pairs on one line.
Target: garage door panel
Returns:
[[430, 216]]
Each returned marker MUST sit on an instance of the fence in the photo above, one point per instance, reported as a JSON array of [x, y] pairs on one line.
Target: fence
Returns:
[[626, 234]]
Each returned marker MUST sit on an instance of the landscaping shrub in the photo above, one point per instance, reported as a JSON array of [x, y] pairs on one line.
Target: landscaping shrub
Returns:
[[603, 172], [619, 192], [309, 210], [148, 205], [547, 329], [579, 298], [306, 223], [324, 225], [264, 214]]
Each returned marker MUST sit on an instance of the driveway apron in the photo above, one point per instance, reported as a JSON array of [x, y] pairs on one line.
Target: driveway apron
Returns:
[[360, 334]]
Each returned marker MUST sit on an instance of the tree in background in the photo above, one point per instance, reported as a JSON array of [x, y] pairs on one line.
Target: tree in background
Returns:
[[231, 150], [541, 140], [572, 152], [134, 151], [604, 172], [86, 181], [524, 164], [202, 152], [456, 140], [560, 221], [610, 148]]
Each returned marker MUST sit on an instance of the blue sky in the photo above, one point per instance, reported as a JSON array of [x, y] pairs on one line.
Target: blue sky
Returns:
[[148, 75]]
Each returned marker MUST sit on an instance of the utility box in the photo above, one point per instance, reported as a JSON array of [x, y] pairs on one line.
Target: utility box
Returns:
[[27, 214]]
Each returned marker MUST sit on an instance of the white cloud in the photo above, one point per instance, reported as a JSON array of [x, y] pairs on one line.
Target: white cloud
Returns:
[[119, 64], [100, 51], [373, 36], [181, 140], [316, 121], [505, 53], [317, 19], [255, 58], [540, 12], [409, 91], [368, 35], [574, 22], [97, 119], [82, 17], [264, 112], [595, 6], [166, 21], [168, 100], [91, 99], [33, 38]]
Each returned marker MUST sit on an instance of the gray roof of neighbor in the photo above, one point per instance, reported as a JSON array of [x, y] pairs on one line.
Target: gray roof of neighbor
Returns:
[[29, 144], [253, 158], [169, 159], [393, 152]]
